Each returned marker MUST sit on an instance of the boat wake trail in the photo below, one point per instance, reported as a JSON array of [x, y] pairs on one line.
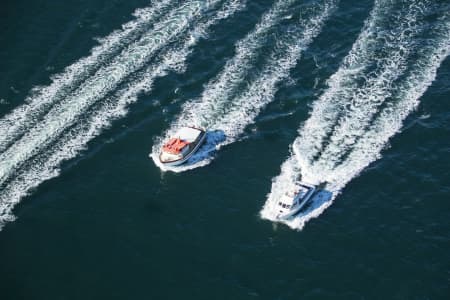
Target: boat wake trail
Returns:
[[228, 103], [13, 125], [34, 150], [378, 85]]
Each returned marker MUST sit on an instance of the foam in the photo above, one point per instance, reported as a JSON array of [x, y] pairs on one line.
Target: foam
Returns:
[[40, 100], [46, 164], [225, 116], [365, 105], [105, 80]]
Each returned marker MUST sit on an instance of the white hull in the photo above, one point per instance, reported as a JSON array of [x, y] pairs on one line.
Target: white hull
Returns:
[[186, 158], [295, 209]]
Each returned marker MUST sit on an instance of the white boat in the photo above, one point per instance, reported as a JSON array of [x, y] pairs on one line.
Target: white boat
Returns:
[[181, 146], [293, 200]]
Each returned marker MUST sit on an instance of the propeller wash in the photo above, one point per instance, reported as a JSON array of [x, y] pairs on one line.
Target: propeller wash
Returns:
[[58, 121], [377, 86], [227, 104]]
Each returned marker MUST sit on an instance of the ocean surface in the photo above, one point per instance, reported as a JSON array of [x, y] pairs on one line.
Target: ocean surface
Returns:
[[349, 95]]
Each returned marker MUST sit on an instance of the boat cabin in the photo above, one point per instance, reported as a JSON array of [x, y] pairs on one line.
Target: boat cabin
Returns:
[[294, 199], [181, 144]]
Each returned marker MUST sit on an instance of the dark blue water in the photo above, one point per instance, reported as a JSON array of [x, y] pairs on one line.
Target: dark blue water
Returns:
[[352, 94]]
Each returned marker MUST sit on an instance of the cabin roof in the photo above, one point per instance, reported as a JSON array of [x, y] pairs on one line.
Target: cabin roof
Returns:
[[188, 134]]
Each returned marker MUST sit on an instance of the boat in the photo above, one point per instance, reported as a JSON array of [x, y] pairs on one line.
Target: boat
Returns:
[[181, 146], [294, 199]]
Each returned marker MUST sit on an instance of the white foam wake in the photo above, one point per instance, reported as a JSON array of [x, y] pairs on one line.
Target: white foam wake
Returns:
[[226, 116], [46, 164], [379, 83], [14, 124], [104, 81]]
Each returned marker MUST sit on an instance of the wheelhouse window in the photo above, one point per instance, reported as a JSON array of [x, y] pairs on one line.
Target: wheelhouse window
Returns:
[[284, 205]]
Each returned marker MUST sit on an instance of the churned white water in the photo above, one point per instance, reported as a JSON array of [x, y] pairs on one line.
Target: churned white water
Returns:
[[377, 86]]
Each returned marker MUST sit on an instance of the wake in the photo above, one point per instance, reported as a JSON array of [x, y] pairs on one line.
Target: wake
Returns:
[[378, 85], [80, 116], [227, 105], [41, 99]]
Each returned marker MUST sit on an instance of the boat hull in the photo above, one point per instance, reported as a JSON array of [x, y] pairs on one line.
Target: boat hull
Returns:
[[298, 208], [182, 160]]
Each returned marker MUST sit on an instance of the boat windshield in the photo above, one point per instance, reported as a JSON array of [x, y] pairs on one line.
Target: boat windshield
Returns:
[[284, 205]]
